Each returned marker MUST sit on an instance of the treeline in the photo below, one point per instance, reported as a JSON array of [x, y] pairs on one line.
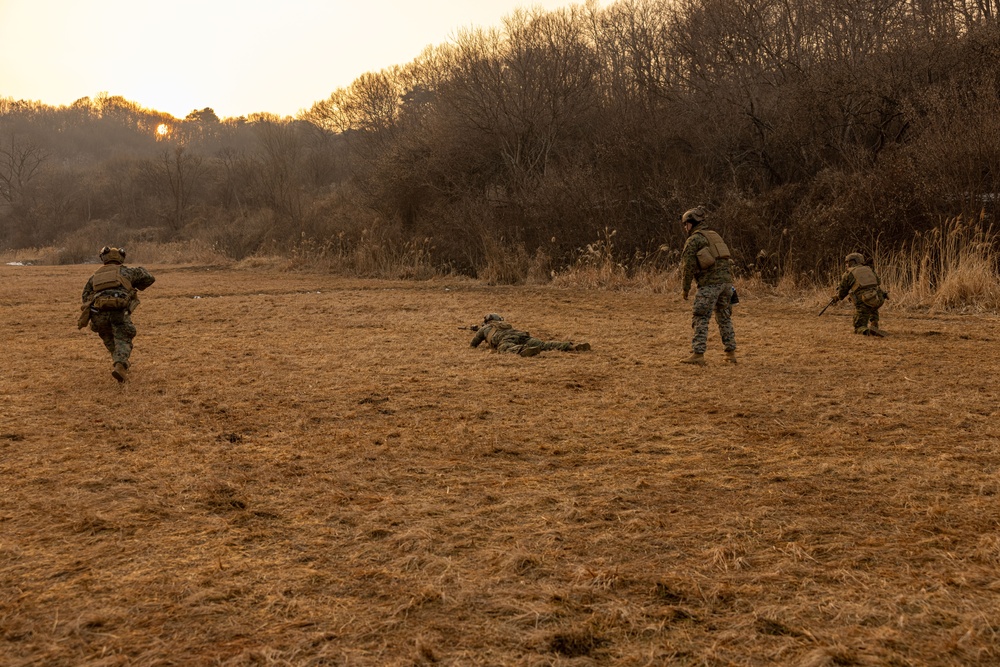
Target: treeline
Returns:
[[809, 127]]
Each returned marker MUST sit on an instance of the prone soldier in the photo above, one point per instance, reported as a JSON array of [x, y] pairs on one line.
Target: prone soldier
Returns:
[[503, 337]]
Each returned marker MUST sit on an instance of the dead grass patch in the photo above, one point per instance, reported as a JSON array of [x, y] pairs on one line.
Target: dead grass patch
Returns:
[[310, 470]]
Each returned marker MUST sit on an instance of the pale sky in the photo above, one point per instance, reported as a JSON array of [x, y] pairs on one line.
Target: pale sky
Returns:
[[235, 56]]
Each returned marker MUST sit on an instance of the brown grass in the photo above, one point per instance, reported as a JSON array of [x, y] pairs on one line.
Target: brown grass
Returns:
[[955, 267], [305, 470]]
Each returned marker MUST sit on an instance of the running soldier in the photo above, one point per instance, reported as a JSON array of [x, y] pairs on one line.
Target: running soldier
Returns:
[[109, 298], [705, 260]]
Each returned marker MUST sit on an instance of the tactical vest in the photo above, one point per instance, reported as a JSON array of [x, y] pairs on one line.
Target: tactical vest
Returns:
[[716, 249], [113, 289], [498, 328], [864, 277], [110, 276], [865, 287]]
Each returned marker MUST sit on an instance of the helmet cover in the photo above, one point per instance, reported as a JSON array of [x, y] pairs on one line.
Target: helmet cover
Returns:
[[694, 215], [112, 254]]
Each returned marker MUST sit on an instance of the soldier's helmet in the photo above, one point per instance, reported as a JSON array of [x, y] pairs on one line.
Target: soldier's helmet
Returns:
[[111, 254], [855, 258], [694, 215], [492, 317]]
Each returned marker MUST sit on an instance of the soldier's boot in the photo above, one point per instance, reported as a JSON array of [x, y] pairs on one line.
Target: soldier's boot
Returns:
[[731, 356], [873, 330], [120, 372], [529, 351], [696, 359], [581, 347]]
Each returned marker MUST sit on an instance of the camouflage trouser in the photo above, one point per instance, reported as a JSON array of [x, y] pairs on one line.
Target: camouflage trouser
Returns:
[[117, 331], [863, 314], [531, 344], [707, 299]]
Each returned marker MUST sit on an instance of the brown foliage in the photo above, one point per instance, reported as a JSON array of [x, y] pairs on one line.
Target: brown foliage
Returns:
[[806, 127]]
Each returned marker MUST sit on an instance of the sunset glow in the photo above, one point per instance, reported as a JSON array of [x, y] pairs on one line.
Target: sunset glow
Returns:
[[162, 129], [256, 58]]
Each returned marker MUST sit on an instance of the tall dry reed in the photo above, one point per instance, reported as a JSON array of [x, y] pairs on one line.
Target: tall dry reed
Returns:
[[147, 252], [597, 267], [953, 267], [376, 253]]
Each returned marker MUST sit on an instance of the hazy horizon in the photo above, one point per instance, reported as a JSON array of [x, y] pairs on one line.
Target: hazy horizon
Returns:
[[235, 57]]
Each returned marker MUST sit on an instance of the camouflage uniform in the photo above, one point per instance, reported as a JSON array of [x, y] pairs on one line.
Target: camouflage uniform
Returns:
[[503, 337], [715, 289], [115, 327], [856, 282]]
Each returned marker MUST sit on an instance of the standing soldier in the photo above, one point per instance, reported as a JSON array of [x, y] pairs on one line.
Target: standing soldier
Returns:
[[108, 301], [503, 337], [705, 259], [866, 292]]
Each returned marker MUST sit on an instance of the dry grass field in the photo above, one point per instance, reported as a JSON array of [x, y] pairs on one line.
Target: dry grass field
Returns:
[[310, 470]]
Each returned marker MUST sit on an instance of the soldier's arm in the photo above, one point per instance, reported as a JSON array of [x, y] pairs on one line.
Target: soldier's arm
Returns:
[[845, 285], [140, 277], [88, 291], [689, 259], [478, 338]]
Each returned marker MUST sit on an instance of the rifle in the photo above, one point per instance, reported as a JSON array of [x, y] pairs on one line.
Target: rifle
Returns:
[[471, 327], [84, 315], [832, 301], [133, 300]]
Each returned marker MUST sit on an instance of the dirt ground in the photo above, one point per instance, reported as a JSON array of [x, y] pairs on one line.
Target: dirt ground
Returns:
[[307, 470]]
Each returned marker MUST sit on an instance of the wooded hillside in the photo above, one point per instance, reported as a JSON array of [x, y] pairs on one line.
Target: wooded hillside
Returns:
[[808, 128]]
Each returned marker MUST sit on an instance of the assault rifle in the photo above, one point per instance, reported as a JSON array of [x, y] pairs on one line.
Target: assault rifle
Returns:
[[84, 314], [471, 327], [832, 301]]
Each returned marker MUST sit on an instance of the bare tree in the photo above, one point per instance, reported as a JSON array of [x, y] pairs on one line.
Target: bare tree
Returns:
[[278, 173], [20, 161], [176, 177]]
